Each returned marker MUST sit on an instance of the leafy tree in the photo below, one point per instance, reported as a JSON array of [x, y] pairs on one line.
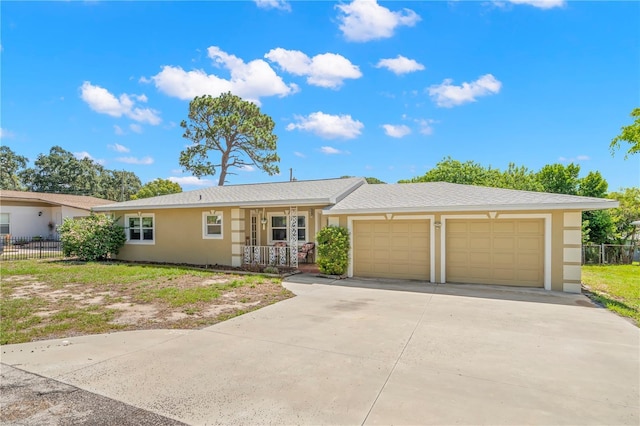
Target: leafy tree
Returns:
[[61, 172], [157, 187], [370, 180], [593, 185], [10, 166], [333, 250], [597, 225], [623, 216], [630, 134], [560, 179], [119, 185], [518, 177], [94, 237], [236, 129], [454, 171]]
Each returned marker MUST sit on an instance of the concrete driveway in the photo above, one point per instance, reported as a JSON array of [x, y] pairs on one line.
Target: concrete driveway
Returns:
[[370, 352]]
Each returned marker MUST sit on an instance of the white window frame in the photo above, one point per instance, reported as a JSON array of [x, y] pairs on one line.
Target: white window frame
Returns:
[[270, 228], [140, 216], [8, 223], [205, 229]]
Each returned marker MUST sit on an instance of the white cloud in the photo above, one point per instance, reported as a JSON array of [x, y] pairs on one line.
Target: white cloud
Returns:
[[330, 150], [299, 154], [574, 159], [400, 65], [118, 148], [324, 70], [426, 127], [541, 4], [447, 95], [250, 81], [84, 154], [190, 180], [134, 160], [118, 130], [102, 101], [274, 4], [328, 126], [136, 128], [396, 131], [247, 168], [6, 134], [364, 20]]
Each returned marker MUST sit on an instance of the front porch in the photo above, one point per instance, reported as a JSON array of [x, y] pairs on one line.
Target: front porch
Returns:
[[280, 236], [280, 255]]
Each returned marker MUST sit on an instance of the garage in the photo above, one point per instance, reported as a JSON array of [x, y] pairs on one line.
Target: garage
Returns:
[[391, 249], [506, 252]]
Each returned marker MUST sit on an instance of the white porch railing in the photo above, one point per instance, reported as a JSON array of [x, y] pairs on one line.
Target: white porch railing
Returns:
[[268, 255]]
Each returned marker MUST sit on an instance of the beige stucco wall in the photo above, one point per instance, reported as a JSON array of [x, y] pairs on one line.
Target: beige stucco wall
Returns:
[[178, 235], [564, 262], [178, 239]]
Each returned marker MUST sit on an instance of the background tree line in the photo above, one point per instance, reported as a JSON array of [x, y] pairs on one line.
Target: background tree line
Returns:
[[613, 226], [60, 172]]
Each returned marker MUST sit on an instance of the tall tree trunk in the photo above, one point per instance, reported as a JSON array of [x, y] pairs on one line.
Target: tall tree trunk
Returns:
[[223, 175]]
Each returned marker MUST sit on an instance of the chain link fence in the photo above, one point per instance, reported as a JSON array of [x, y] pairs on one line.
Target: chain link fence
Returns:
[[21, 248], [613, 254]]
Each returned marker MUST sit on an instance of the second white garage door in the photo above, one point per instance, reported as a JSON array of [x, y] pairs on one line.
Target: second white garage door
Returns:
[[391, 249], [509, 252]]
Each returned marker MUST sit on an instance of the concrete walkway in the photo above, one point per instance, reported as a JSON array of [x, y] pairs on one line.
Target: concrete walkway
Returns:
[[370, 352]]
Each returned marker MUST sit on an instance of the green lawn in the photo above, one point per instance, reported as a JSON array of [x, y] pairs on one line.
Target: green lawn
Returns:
[[617, 287], [43, 299]]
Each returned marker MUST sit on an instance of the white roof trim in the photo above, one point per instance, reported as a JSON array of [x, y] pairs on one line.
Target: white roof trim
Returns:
[[499, 207]]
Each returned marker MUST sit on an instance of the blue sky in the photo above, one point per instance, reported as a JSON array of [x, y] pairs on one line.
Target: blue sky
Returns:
[[355, 88]]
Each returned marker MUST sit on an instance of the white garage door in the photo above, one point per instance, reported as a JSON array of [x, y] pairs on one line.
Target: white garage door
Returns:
[[391, 249], [508, 252]]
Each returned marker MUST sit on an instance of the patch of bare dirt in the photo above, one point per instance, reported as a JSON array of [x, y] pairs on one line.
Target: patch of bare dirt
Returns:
[[138, 306]]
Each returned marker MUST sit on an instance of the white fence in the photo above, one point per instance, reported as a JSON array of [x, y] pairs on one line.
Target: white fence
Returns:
[[603, 254]]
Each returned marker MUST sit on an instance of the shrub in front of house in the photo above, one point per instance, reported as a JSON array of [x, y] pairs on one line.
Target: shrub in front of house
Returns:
[[95, 237], [333, 250]]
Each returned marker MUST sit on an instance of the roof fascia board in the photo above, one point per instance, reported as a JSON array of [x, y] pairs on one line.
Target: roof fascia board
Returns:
[[278, 203], [532, 207]]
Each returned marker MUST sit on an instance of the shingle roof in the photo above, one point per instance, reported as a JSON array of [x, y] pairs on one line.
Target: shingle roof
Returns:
[[77, 201], [309, 192], [442, 196]]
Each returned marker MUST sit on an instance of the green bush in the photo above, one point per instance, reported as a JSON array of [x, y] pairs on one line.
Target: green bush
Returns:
[[333, 250], [95, 237], [271, 270]]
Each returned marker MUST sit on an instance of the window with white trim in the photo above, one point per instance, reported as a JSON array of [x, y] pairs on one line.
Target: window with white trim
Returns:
[[279, 228], [212, 225], [4, 223], [140, 229]]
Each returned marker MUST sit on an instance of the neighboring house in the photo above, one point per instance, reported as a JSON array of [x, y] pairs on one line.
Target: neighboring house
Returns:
[[30, 214], [437, 232]]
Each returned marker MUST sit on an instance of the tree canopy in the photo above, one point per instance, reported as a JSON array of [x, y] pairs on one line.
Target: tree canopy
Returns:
[[629, 134], [623, 216], [236, 129], [61, 172], [10, 166], [599, 226], [370, 180], [157, 187]]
